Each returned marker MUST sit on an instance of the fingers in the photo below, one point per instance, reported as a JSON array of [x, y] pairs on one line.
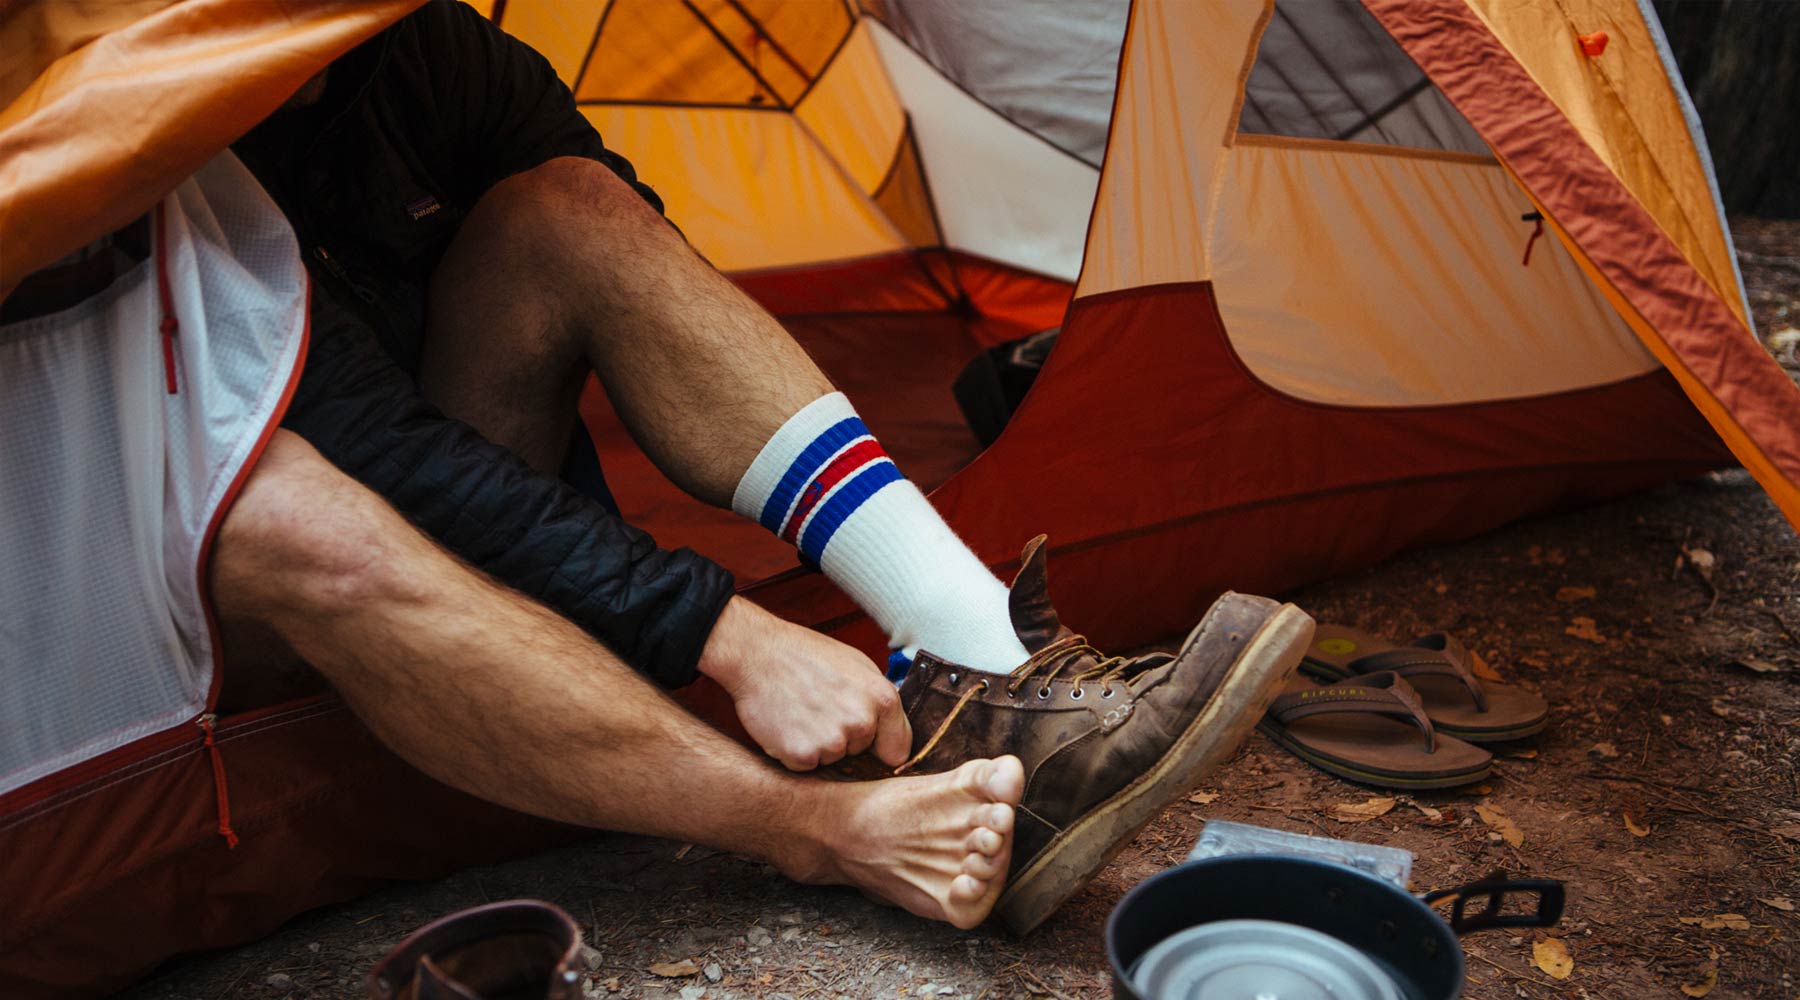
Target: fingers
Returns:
[[893, 734]]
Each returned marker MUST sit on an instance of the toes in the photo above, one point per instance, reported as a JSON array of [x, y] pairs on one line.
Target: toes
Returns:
[[985, 841], [967, 889], [996, 816], [1005, 780], [982, 866]]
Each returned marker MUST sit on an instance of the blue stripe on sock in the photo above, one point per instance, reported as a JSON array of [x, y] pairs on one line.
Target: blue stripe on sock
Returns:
[[843, 503], [898, 666], [801, 472]]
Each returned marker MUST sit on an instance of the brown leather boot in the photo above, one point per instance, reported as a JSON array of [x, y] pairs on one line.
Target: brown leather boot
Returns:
[[1107, 741], [518, 950]]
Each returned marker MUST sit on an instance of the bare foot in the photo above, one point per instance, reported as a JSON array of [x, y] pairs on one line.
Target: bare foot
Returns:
[[937, 845]]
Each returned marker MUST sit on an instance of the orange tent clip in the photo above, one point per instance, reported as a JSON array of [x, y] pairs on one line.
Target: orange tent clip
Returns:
[[1593, 44]]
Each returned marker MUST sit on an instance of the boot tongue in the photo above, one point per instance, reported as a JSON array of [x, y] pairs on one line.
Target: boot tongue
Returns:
[[1028, 603]]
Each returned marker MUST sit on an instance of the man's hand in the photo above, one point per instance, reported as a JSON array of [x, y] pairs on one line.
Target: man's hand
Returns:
[[805, 698]]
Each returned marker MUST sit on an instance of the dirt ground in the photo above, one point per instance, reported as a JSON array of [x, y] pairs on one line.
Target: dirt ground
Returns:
[[1664, 630]]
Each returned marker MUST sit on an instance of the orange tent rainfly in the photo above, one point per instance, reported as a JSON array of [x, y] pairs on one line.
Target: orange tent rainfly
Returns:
[[1333, 278]]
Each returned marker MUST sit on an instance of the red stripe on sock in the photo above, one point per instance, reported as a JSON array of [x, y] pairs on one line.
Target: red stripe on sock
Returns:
[[853, 458]]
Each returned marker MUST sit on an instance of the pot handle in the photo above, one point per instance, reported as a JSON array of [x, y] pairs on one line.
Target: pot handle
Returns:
[[1494, 889]]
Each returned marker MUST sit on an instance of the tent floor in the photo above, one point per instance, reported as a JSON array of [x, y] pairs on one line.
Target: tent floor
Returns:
[[1657, 722]]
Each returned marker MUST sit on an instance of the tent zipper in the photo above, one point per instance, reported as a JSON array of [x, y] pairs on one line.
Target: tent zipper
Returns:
[[205, 722]]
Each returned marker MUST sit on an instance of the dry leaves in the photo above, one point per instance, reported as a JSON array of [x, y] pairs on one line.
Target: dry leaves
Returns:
[[1569, 595], [1203, 798], [1584, 628], [1604, 750], [1781, 903], [1361, 812], [1479, 667], [1757, 666], [1501, 824], [1636, 830], [1552, 957], [1523, 755], [1728, 921], [1704, 986], [674, 970], [1701, 560], [1429, 813]]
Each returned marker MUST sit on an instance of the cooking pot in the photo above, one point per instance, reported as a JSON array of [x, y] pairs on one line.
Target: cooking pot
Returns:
[[1273, 927]]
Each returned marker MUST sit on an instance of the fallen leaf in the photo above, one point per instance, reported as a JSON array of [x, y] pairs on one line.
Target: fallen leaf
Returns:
[[1704, 986], [1721, 709], [1729, 921], [1569, 595], [1781, 903], [1790, 832], [1479, 667], [1203, 798], [1636, 830], [1428, 812], [683, 852], [1361, 812], [1757, 666], [1702, 561], [1524, 754], [611, 983], [1605, 750], [1477, 791], [1502, 824], [1583, 628], [674, 970], [1552, 956]]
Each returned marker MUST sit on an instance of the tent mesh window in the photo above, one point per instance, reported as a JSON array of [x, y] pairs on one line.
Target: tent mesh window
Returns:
[[1326, 70]]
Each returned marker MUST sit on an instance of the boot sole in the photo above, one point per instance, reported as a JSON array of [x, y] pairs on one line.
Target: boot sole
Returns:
[[1080, 851]]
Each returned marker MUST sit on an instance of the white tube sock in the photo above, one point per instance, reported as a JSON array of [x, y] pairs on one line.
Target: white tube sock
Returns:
[[824, 484]]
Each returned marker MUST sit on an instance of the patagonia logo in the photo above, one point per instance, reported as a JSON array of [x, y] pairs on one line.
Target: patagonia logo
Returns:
[[421, 207]]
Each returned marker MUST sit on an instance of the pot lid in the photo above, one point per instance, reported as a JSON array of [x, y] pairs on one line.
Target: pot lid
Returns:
[[1259, 960]]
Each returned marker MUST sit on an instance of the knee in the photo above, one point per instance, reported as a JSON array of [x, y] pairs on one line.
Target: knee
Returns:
[[561, 204], [304, 540]]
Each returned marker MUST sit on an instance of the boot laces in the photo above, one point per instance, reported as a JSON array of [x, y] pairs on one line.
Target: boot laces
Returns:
[[1045, 665]]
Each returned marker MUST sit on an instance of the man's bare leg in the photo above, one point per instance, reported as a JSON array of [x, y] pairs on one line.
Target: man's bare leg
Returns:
[[563, 270], [486, 691]]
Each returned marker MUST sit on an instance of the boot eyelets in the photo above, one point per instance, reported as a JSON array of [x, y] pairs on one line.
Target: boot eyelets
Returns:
[[954, 677], [1044, 693], [1107, 692], [1078, 694]]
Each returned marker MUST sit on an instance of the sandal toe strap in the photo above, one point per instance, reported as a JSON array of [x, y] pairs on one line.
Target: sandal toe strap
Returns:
[[1438, 654], [1381, 693]]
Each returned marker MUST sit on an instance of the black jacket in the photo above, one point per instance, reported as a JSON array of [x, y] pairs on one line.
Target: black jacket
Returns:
[[414, 127]]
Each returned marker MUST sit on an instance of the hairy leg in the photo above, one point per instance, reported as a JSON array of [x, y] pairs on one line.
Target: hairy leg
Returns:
[[564, 269], [489, 692]]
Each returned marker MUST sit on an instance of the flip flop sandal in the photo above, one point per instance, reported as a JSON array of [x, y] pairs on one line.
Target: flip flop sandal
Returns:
[[1437, 667], [1368, 729]]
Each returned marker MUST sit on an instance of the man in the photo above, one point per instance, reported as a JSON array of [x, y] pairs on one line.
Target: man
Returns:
[[477, 252]]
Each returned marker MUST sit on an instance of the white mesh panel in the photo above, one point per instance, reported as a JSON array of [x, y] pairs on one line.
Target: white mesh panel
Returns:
[[108, 482]]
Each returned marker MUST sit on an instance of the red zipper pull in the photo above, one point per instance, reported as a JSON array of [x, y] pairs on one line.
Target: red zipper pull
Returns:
[[205, 722], [169, 323], [1537, 217]]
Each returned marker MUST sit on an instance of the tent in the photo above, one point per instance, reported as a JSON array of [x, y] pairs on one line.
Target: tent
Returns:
[[1333, 278]]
